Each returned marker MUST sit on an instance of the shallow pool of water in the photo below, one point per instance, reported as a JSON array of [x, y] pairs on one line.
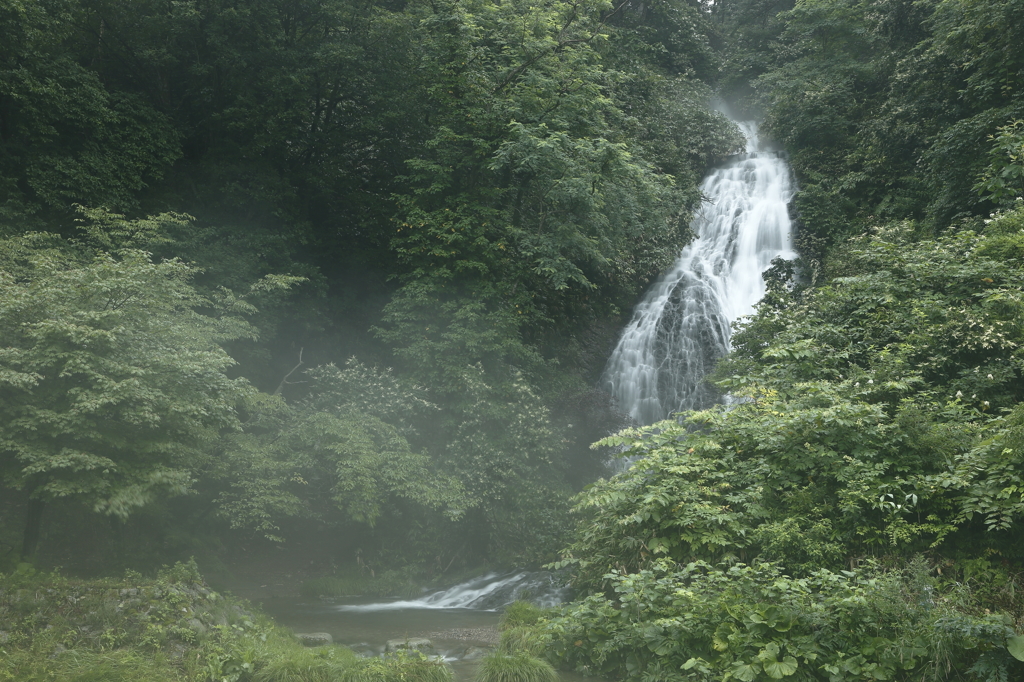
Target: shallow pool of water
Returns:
[[454, 633], [373, 628]]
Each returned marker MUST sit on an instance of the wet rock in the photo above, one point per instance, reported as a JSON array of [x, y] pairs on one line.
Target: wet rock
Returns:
[[409, 644], [364, 650], [314, 638], [484, 635], [197, 626], [475, 653]]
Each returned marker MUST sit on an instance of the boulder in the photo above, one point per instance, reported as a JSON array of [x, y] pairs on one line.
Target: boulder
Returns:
[[197, 626], [475, 653], [409, 644], [314, 638]]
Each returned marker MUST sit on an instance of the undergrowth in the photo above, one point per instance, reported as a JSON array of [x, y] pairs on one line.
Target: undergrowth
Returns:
[[169, 629], [701, 623]]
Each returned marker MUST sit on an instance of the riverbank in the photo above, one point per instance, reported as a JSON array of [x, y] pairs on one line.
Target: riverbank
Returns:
[[173, 628]]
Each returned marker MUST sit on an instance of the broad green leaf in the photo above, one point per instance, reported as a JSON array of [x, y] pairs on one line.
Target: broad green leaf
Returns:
[[1015, 645], [779, 669]]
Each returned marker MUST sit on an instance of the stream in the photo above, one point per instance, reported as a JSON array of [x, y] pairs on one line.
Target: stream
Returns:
[[460, 621]]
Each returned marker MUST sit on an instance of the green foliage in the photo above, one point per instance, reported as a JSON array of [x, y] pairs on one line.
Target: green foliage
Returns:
[[484, 184], [891, 110], [324, 664], [519, 667], [88, 666], [113, 381], [326, 460], [399, 668], [66, 136], [526, 639], [542, 198], [699, 622], [869, 423], [1004, 178], [876, 415], [520, 613], [170, 628], [531, 195]]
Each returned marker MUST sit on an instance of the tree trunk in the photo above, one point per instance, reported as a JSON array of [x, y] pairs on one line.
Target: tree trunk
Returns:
[[33, 523]]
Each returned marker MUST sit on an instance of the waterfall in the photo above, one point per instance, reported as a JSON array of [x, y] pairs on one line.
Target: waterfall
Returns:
[[487, 592], [682, 326]]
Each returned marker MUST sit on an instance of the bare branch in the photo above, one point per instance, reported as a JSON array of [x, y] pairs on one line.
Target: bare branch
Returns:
[[284, 381]]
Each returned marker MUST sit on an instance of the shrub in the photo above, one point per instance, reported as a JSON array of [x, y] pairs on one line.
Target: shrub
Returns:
[[754, 622]]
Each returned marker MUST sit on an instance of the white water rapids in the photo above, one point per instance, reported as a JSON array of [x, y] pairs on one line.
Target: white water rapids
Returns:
[[488, 592], [683, 324]]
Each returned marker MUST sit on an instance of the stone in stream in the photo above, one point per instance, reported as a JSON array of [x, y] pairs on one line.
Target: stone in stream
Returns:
[[364, 650], [474, 653], [314, 638], [410, 644]]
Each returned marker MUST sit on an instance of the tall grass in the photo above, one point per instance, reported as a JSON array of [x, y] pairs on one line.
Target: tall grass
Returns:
[[400, 668], [519, 667], [327, 664], [86, 666], [520, 613], [521, 639]]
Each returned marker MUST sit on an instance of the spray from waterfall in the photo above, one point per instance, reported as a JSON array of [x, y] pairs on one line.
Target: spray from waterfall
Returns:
[[682, 326]]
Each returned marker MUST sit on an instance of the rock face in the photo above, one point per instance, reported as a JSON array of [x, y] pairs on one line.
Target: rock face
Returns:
[[409, 644], [314, 638]]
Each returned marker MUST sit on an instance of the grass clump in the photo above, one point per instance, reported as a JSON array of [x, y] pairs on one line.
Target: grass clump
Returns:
[[520, 667], [324, 664], [86, 666], [526, 639], [520, 613], [402, 667]]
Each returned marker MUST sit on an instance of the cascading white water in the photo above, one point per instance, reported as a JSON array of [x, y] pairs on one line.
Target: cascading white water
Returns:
[[488, 592], [683, 324]]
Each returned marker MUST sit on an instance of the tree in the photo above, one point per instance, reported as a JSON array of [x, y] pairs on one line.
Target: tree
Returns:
[[112, 376], [339, 456], [64, 136]]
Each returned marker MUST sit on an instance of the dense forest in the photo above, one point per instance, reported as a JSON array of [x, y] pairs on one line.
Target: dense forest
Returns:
[[282, 272], [319, 267]]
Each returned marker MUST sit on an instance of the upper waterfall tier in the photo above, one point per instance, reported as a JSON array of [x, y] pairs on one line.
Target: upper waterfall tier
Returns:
[[683, 324]]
